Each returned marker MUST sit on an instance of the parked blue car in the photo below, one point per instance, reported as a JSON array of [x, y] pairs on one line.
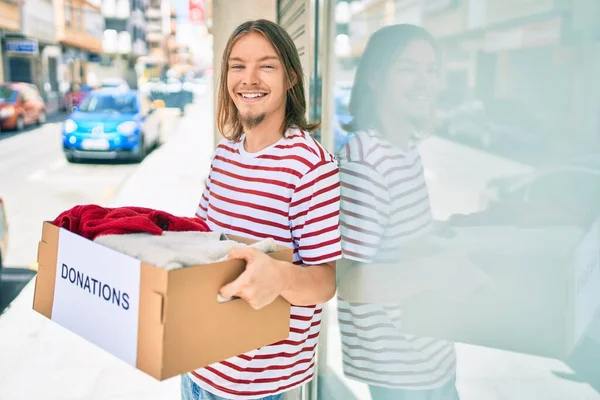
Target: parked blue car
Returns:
[[111, 124]]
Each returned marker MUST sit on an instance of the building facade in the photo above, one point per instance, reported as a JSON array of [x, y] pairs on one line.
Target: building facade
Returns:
[[38, 23], [124, 38], [79, 29]]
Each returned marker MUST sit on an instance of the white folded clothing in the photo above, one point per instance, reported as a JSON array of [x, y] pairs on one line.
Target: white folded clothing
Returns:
[[173, 250]]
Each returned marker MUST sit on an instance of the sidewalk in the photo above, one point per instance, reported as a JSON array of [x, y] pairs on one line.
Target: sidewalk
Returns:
[[41, 360]]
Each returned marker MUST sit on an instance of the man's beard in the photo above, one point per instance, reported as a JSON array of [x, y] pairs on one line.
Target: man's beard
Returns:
[[252, 121]]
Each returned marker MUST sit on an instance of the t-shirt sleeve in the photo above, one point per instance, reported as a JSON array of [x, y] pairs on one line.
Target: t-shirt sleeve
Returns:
[[364, 211], [202, 210], [314, 215]]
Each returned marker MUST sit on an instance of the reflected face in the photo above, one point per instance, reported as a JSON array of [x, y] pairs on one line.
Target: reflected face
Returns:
[[413, 81], [256, 79]]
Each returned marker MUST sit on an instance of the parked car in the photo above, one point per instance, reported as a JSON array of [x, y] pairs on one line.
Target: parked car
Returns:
[[567, 193], [114, 83], [20, 105], [3, 234], [111, 124], [493, 124], [75, 96], [173, 92]]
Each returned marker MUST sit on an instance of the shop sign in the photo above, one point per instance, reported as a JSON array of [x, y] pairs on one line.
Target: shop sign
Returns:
[[21, 46]]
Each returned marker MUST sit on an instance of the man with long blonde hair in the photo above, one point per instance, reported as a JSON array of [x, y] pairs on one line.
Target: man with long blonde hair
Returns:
[[270, 178]]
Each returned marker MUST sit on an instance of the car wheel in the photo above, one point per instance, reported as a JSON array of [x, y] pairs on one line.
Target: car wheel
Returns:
[[159, 137], [70, 158], [42, 118], [1, 268], [141, 153], [20, 123]]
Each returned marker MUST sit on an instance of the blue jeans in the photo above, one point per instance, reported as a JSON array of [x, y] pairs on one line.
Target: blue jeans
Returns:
[[446, 392], [191, 391]]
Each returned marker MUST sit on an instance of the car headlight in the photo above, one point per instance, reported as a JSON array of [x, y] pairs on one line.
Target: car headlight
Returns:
[[127, 128], [7, 112], [70, 126]]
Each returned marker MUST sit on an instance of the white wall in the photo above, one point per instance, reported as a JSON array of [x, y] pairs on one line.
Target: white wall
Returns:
[[38, 19]]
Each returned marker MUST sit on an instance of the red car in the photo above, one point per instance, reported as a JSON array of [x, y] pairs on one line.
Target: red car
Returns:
[[20, 105]]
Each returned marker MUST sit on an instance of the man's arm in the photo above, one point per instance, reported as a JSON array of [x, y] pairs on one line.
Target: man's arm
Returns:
[[308, 285]]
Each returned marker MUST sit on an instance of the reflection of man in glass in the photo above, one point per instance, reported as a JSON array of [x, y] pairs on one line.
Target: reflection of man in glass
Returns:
[[385, 203]]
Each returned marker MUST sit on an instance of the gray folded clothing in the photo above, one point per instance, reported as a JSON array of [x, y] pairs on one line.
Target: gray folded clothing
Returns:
[[173, 250]]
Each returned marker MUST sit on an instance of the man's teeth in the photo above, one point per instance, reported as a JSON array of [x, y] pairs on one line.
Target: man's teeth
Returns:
[[252, 95]]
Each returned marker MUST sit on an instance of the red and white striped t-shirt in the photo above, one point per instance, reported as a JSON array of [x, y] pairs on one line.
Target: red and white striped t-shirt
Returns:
[[384, 203], [289, 192]]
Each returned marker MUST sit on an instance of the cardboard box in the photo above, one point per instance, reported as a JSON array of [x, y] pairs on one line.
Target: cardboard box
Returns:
[[544, 292], [164, 323]]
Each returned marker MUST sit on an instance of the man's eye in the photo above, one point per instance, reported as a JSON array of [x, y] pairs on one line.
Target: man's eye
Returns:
[[268, 66]]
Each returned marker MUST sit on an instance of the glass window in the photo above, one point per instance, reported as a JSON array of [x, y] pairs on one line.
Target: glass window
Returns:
[[7, 94], [126, 104], [473, 146]]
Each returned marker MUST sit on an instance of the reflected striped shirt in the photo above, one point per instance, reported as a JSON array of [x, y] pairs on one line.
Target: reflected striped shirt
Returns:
[[385, 202]]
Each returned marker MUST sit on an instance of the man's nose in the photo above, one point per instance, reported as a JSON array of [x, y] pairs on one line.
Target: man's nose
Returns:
[[250, 76]]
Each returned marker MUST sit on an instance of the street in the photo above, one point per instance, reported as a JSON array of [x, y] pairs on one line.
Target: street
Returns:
[[37, 183]]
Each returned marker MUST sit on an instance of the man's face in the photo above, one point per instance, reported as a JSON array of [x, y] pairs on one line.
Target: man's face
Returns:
[[256, 79], [413, 81]]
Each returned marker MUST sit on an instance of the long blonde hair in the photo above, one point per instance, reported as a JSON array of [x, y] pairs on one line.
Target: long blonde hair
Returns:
[[228, 120]]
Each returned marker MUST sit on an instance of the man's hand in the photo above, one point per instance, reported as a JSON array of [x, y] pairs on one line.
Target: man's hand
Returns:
[[261, 283]]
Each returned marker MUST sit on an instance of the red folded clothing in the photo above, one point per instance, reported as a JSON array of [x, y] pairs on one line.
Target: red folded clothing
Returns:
[[91, 221]]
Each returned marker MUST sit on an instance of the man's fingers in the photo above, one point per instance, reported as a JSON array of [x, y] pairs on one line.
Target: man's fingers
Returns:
[[233, 288], [241, 253]]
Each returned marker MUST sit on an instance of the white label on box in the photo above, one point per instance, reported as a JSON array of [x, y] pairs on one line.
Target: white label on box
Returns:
[[587, 280], [96, 295]]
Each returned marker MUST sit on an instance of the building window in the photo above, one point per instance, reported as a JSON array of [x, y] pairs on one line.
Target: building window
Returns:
[[68, 15]]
